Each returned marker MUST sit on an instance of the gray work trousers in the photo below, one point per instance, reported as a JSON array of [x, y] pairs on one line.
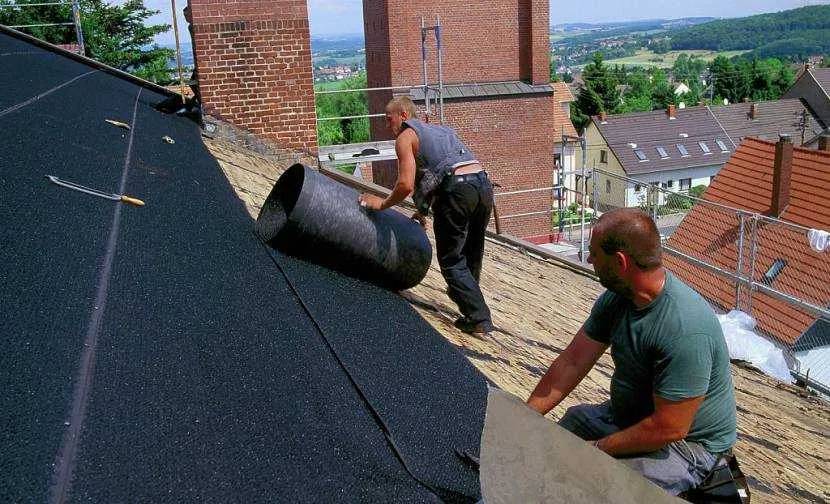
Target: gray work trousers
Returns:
[[678, 467]]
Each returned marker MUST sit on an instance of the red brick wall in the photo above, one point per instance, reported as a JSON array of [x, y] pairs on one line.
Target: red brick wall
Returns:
[[254, 64], [482, 42], [513, 139]]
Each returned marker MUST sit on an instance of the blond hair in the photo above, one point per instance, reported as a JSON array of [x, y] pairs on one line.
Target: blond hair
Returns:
[[402, 104]]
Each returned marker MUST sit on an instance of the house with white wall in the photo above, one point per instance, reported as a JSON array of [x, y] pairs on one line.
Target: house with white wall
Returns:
[[680, 148]]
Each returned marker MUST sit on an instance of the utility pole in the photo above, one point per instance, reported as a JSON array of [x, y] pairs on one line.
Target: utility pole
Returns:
[[711, 87]]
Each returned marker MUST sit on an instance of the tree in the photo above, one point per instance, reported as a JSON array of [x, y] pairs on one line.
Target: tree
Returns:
[[115, 35], [662, 94], [660, 45], [637, 97], [553, 75], [344, 131], [598, 94]]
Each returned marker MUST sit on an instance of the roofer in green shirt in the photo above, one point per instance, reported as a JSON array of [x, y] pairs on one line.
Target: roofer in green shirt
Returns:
[[672, 409]]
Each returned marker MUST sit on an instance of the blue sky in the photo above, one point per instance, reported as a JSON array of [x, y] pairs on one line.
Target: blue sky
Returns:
[[332, 17]]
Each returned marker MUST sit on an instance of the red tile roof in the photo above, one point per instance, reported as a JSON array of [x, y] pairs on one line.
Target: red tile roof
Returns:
[[561, 121], [711, 233], [562, 92]]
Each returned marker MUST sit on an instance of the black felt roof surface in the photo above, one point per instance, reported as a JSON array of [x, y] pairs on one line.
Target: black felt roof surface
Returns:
[[216, 369]]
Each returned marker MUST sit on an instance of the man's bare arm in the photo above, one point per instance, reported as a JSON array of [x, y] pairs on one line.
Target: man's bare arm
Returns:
[[566, 372], [405, 184], [404, 148], [670, 422]]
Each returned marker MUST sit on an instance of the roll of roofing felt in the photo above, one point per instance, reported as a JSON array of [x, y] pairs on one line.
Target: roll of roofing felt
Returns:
[[315, 218]]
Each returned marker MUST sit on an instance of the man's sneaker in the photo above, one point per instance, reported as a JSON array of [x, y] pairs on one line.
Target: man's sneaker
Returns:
[[482, 328]]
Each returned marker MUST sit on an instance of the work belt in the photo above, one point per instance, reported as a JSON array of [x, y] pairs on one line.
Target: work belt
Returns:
[[451, 179]]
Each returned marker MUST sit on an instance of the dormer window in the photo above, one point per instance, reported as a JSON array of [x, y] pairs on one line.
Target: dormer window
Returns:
[[774, 270]]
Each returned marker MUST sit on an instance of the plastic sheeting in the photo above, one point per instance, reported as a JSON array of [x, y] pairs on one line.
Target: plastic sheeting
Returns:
[[745, 345], [310, 216]]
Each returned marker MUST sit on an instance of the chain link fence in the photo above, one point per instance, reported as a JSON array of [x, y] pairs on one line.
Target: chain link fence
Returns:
[[740, 260]]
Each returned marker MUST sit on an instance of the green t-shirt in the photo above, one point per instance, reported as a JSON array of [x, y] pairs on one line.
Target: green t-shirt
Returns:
[[674, 348]]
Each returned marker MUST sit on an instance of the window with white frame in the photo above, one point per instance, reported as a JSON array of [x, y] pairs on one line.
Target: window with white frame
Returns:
[[685, 184]]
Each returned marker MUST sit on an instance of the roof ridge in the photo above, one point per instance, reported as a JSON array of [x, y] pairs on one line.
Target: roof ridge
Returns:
[[801, 150]]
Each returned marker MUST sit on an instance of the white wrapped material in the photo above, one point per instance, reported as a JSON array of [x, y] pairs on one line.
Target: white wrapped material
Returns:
[[745, 345]]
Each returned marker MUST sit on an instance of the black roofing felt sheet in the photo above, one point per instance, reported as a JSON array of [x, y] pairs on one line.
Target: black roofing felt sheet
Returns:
[[51, 245], [406, 369], [210, 379]]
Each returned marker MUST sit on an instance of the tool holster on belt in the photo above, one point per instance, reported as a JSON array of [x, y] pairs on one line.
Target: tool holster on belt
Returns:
[[726, 483]]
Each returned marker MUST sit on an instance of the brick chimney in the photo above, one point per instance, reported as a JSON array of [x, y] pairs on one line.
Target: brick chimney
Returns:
[[482, 42], [671, 112], [753, 111], [254, 65], [824, 142], [782, 171], [603, 116]]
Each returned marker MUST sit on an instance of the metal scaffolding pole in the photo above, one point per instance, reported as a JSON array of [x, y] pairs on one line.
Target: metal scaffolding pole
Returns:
[[439, 99], [178, 52], [441, 69], [79, 32], [424, 65], [583, 144]]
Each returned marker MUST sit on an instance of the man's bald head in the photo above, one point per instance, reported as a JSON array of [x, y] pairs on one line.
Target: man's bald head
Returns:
[[633, 232]]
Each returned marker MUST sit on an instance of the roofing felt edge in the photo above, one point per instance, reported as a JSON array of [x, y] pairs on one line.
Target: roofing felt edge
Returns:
[[152, 86]]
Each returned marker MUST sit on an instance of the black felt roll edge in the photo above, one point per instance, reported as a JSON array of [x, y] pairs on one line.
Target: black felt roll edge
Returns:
[[320, 220]]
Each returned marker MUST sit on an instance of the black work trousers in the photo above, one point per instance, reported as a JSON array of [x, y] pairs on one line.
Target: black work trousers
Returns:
[[462, 210]]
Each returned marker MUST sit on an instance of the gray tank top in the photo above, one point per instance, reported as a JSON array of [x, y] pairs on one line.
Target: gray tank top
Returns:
[[439, 152]]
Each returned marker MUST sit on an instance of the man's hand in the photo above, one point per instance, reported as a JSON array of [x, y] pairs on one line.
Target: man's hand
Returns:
[[422, 220], [371, 202]]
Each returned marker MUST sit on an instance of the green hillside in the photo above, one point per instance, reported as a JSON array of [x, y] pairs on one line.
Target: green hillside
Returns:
[[793, 34]]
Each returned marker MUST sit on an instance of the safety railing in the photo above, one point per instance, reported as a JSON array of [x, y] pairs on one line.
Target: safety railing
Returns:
[[75, 18]]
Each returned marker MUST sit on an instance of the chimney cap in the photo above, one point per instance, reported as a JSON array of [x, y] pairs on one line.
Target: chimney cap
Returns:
[[785, 138]]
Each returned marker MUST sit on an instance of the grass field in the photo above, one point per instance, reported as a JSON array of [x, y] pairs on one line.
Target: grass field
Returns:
[[329, 86], [351, 60], [647, 58]]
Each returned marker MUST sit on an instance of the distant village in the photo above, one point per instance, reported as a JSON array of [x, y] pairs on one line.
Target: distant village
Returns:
[[337, 65]]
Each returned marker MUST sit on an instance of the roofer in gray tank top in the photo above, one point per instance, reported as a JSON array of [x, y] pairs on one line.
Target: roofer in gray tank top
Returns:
[[671, 415], [441, 173]]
